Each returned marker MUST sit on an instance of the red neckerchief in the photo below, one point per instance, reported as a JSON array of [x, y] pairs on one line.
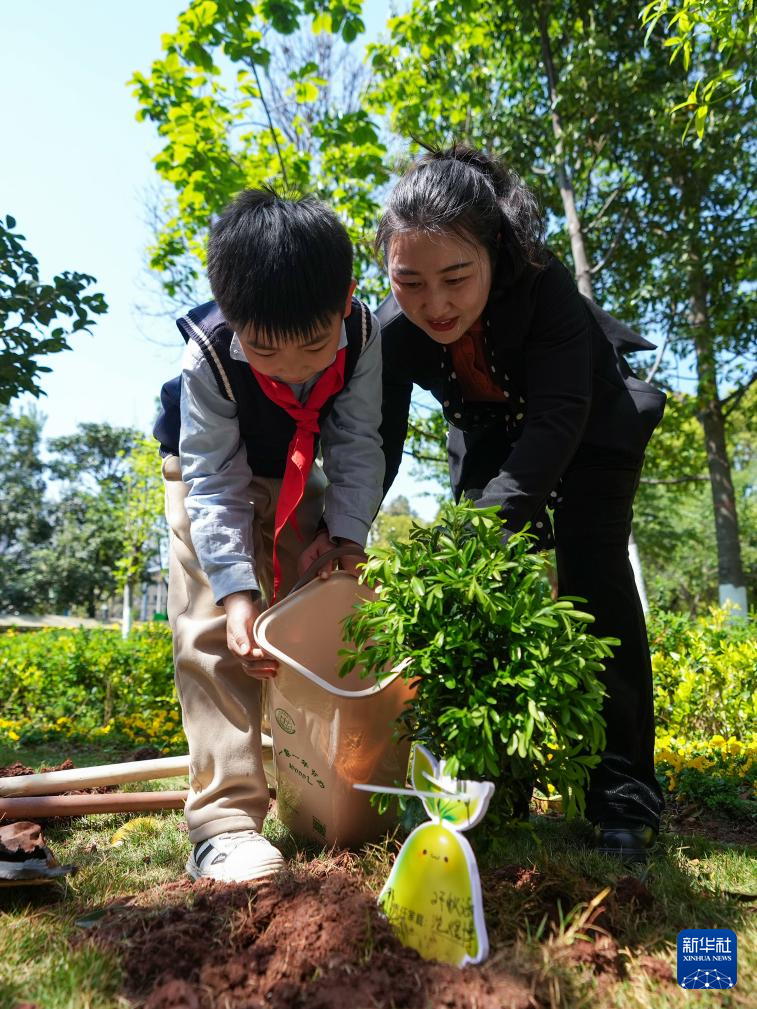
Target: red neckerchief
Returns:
[[302, 446]]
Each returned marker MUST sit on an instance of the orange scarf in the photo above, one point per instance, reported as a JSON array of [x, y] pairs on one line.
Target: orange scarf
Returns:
[[470, 365]]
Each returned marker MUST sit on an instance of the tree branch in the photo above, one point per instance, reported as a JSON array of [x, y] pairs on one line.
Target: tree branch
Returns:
[[657, 361], [675, 480], [613, 244], [604, 208], [734, 398], [270, 121], [419, 457]]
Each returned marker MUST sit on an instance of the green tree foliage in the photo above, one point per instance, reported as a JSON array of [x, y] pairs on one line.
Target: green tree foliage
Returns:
[[79, 560], [24, 518], [96, 455], [210, 98], [70, 546], [29, 314], [142, 518], [674, 526], [507, 683], [694, 30], [394, 522]]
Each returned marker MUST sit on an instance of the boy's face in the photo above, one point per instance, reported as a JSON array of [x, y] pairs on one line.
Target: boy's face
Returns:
[[295, 363]]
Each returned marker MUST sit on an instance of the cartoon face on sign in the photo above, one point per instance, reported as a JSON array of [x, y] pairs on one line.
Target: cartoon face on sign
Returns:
[[433, 894]]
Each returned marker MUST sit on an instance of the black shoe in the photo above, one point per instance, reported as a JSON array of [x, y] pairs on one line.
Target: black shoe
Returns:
[[630, 844]]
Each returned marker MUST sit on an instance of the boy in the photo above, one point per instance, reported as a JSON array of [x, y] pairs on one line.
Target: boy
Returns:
[[282, 356]]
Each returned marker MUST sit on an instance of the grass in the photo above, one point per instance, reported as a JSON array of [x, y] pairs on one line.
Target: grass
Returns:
[[539, 906]]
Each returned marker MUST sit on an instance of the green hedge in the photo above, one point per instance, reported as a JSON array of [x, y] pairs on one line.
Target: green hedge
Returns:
[[705, 674], [89, 683]]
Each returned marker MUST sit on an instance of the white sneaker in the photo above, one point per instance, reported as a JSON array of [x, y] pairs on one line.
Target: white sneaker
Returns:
[[234, 857]]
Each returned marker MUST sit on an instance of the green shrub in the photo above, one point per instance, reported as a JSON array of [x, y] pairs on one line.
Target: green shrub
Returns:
[[507, 683], [83, 683], [705, 674], [718, 773]]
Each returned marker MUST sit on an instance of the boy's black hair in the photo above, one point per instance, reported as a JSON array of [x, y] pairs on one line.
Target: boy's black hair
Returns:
[[282, 264]]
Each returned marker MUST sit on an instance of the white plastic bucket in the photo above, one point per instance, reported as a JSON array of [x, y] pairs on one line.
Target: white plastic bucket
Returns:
[[329, 732]]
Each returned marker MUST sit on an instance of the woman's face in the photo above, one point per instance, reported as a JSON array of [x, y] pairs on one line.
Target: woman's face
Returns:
[[440, 281]]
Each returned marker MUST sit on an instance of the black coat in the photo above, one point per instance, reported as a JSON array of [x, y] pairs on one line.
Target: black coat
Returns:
[[559, 358]]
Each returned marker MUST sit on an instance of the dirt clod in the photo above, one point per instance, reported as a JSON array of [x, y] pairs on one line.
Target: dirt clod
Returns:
[[173, 995], [17, 768], [600, 954], [655, 968], [146, 753]]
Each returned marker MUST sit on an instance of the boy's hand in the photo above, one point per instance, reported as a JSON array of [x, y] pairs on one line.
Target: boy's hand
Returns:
[[321, 545], [241, 614]]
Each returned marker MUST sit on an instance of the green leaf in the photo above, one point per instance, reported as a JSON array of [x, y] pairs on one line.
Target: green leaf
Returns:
[[321, 23]]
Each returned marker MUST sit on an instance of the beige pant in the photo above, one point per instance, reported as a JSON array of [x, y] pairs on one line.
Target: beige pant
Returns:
[[220, 703]]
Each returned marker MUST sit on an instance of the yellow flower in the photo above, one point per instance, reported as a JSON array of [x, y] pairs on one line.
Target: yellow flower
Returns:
[[13, 735]]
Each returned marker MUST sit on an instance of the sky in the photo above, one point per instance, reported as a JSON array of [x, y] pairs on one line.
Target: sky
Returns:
[[75, 172]]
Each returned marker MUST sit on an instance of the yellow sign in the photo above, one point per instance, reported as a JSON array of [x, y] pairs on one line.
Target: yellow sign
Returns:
[[432, 897]]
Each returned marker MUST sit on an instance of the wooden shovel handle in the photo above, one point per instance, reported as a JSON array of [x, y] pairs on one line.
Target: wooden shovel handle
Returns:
[[32, 807]]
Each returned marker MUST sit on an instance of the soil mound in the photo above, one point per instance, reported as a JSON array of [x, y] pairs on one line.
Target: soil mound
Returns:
[[292, 942]]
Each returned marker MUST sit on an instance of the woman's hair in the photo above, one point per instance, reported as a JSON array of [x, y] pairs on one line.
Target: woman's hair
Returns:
[[463, 191]]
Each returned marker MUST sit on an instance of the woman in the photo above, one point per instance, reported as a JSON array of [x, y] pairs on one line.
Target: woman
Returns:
[[543, 413]]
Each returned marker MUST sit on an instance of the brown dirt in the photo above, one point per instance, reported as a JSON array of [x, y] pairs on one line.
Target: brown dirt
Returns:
[[658, 970], [313, 938], [601, 956], [146, 753], [690, 818], [16, 769], [542, 895], [289, 943]]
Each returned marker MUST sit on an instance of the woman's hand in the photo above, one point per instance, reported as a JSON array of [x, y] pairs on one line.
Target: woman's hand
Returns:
[[321, 545], [350, 562], [241, 614]]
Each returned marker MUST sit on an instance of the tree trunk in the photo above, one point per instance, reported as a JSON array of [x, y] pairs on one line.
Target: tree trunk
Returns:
[[575, 231], [731, 583], [638, 574], [126, 615], [577, 244]]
